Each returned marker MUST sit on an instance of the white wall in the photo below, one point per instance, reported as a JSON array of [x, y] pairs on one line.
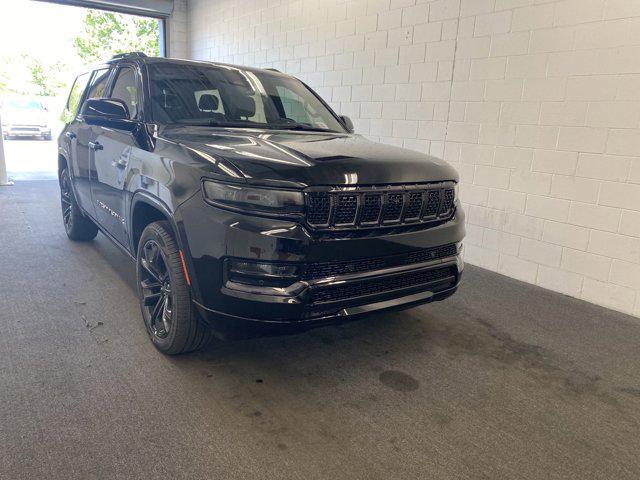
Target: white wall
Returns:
[[540, 113], [176, 31]]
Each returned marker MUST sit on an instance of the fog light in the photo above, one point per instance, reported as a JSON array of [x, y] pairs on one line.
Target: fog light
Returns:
[[262, 273]]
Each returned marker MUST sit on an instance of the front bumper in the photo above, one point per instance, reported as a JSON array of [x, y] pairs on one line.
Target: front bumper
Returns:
[[312, 315], [212, 236]]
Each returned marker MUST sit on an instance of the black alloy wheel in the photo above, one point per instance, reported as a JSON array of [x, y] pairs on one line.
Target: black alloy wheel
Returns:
[[171, 320], [65, 201], [77, 225], [155, 284]]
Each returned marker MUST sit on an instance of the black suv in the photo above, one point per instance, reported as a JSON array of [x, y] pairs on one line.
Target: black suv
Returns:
[[247, 204]]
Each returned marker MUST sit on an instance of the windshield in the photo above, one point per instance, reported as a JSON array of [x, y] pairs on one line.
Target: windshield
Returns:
[[211, 95], [24, 103]]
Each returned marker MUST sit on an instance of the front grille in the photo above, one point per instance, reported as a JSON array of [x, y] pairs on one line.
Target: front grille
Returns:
[[447, 203], [393, 208], [346, 209], [414, 206], [318, 208], [384, 285], [432, 204], [371, 207], [333, 269]]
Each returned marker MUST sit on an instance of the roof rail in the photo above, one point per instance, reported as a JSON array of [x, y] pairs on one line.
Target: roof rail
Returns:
[[120, 56], [273, 70]]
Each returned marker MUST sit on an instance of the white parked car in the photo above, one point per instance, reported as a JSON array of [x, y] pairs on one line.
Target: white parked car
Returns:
[[25, 117]]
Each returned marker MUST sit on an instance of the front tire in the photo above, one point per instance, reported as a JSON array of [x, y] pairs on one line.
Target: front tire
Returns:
[[172, 322], [78, 226]]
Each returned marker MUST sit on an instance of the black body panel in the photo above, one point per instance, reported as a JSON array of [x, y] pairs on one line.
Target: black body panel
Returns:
[[162, 167]]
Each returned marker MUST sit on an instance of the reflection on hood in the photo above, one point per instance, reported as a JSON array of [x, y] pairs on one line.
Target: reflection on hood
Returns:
[[307, 158]]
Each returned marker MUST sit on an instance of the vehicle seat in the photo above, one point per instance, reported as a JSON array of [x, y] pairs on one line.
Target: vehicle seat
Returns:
[[242, 105], [207, 104]]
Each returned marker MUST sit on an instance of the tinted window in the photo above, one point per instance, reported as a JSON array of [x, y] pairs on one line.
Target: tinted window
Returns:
[[295, 108], [234, 97], [125, 88], [73, 102], [99, 84]]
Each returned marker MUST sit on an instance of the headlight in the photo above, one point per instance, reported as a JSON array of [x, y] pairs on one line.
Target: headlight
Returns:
[[254, 199], [456, 191]]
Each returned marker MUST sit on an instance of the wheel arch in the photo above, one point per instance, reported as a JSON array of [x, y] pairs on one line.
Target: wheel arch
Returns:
[[145, 209], [62, 164]]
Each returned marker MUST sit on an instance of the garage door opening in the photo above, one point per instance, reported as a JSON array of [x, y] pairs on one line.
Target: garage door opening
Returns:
[[42, 47]]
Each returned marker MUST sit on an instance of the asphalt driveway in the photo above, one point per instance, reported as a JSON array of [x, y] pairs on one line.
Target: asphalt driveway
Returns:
[[504, 380]]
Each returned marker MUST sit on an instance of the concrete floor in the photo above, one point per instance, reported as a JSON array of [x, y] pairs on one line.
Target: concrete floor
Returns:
[[31, 158], [504, 380]]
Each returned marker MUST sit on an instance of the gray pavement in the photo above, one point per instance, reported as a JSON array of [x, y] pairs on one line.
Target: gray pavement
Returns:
[[31, 158], [502, 381]]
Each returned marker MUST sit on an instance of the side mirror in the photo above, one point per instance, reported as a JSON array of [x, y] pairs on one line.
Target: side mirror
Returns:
[[108, 112], [348, 124]]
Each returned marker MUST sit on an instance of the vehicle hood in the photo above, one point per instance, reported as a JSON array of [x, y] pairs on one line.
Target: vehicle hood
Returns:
[[24, 116], [306, 158]]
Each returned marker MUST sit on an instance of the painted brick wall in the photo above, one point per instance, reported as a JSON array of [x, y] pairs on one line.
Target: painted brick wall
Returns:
[[176, 33], [535, 102]]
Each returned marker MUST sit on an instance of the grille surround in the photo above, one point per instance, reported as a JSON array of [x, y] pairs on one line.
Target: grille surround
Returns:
[[371, 207]]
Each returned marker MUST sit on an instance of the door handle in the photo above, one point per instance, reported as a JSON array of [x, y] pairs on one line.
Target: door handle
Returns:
[[70, 135], [95, 146]]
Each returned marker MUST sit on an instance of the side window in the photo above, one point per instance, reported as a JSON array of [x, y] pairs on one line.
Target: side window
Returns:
[[125, 88], [99, 84], [296, 109], [75, 95]]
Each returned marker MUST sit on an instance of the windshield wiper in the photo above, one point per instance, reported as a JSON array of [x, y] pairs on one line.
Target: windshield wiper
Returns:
[[299, 126], [215, 123], [270, 126]]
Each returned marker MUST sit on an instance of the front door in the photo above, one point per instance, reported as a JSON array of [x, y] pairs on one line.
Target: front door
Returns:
[[79, 135], [112, 152]]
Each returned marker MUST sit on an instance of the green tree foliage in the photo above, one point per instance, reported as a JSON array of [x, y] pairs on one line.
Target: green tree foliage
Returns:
[[47, 78], [106, 34], [27, 75]]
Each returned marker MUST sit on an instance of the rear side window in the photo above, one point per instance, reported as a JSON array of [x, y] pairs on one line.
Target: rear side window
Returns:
[[98, 88], [125, 88], [75, 95]]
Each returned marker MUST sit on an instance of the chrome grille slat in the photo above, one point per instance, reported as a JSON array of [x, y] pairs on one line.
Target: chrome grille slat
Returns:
[[350, 208]]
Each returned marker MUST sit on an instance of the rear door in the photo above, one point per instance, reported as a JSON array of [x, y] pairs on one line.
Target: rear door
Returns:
[[112, 158]]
